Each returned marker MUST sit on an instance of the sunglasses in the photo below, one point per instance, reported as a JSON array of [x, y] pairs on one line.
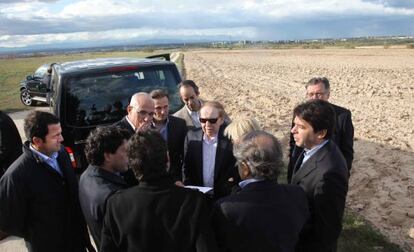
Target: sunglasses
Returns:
[[210, 120]]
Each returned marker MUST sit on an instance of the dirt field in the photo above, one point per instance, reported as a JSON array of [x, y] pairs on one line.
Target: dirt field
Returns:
[[377, 85]]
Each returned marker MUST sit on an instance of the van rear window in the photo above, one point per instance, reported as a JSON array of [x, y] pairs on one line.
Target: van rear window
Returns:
[[103, 98]]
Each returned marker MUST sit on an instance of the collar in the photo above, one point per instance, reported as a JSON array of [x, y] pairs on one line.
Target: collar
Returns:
[[210, 141], [130, 123], [310, 152], [245, 182], [162, 125], [42, 156], [190, 111]]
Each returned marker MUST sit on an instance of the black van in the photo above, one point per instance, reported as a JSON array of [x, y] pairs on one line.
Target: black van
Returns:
[[90, 93]]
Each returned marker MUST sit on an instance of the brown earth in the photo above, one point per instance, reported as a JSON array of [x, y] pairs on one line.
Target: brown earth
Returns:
[[377, 85]]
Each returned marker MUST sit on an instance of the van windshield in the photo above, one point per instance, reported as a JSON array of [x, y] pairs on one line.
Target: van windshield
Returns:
[[103, 98]]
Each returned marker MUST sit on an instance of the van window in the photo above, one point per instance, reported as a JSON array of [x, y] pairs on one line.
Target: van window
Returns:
[[103, 98]]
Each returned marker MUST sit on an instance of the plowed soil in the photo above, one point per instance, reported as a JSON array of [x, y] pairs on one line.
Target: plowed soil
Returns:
[[377, 85]]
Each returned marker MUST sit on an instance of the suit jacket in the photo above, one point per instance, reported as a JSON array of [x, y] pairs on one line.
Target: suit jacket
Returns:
[[343, 137], [157, 216], [95, 187], [129, 175], [176, 132], [224, 167], [324, 178], [42, 206], [10, 142], [183, 114], [262, 216]]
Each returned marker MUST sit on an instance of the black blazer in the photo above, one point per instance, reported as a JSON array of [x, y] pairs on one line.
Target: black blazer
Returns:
[[324, 178], [10, 142], [95, 187], [157, 216], [124, 124], [40, 205], [224, 168], [343, 137], [176, 132], [262, 216]]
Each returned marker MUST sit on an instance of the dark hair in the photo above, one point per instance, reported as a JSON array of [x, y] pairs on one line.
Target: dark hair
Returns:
[[36, 124], [319, 114], [317, 80], [189, 83], [104, 140], [262, 152], [158, 94], [148, 155]]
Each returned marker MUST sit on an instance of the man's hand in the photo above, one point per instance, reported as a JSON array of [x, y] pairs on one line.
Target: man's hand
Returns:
[[179, 183]]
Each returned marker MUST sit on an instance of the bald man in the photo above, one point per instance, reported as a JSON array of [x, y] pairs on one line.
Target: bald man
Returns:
[[141, 111]]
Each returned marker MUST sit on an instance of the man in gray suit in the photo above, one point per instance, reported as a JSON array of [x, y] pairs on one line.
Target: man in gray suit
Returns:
[[322, 172], [190, 112]]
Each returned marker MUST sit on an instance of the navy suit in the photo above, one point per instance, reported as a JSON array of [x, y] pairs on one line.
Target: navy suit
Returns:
[[324, 178], [262, 216]]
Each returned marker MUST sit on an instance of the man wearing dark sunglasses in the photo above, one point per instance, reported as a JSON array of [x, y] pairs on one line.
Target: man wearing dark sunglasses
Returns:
[[208, 156]]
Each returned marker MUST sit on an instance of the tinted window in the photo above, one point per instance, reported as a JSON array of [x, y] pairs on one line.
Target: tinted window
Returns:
[[103, 98]]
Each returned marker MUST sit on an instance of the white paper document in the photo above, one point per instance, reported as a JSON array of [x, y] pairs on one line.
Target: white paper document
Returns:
[[202, 189]]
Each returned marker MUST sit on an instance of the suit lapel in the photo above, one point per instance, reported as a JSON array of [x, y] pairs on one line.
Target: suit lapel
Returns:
[[310, 164], [199, 156], [221, 146]]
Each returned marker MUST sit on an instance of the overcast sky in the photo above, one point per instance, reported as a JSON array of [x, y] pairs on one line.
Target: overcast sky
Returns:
[[96, 22]]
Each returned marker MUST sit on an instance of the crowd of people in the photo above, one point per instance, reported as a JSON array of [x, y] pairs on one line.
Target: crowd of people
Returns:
[[137, 194]]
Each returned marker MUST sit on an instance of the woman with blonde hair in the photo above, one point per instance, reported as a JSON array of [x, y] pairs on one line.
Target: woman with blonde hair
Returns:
[[239, 127]]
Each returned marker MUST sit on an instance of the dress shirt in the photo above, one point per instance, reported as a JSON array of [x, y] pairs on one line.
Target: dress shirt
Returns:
[[209, 160], [309, 153], [195, 117], [245, 182], [51, 161], [162, 128]]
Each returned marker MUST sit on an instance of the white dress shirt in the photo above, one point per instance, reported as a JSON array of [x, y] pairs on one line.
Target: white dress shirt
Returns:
[[209, 160]]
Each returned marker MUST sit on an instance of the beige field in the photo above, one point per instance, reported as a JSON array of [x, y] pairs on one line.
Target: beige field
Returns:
[[377, 85]]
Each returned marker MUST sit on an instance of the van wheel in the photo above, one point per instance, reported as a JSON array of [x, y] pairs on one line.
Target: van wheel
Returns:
[[26, 98]]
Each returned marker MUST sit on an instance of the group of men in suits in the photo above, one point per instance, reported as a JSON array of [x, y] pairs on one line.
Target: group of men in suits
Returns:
[[146, 207]]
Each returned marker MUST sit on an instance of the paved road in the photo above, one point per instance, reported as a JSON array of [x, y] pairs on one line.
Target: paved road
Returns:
[[15, 244]]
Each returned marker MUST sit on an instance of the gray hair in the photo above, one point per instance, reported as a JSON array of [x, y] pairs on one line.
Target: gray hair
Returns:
[[317, 80], [263, 154]]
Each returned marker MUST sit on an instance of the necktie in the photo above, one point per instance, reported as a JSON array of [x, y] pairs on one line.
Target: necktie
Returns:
[[299, 162]]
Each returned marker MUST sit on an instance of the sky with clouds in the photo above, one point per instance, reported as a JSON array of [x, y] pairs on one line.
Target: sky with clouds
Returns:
[[25, 23]]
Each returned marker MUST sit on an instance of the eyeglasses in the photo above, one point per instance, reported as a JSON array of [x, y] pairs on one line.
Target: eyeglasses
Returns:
[[143, 113], [210, 120], [318, 95]]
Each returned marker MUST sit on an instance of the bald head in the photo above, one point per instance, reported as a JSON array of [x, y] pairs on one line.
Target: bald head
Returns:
[[141, 111]]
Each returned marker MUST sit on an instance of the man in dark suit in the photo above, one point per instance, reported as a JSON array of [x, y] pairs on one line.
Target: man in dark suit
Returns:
[[156, 215], [140, 113], [190, 112], [343, 136], [139, 118], [172, 129], [208, 156], [263, 215], [10, 142], [39, 192], [106, 152], [322, 172]]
